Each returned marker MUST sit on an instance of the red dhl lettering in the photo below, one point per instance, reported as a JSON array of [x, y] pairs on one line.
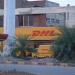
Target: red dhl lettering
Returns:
[[44, 33], [45, 49]]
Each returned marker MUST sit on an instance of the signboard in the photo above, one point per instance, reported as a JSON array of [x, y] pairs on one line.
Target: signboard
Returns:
[[39, 33], [44, 48]]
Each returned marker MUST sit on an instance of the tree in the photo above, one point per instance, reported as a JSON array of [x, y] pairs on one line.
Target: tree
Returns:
[[65, 44]]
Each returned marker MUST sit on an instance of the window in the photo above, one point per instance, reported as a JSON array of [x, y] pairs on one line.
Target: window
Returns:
[[1, 21], [52, 20], [25, 20], [20, 20], [57, 21]]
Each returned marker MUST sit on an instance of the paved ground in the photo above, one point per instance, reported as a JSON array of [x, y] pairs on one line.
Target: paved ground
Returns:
[[38, 70], [46, 66], [42, 61], [15, 73], [27, 60]]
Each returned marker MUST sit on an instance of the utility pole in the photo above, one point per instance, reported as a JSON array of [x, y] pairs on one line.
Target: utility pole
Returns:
[[9, 25]]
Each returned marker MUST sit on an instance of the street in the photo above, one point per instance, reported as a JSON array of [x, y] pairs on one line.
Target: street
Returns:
[[39, 69]]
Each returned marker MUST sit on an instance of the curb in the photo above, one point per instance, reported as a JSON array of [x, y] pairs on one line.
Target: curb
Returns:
[[39, 63]]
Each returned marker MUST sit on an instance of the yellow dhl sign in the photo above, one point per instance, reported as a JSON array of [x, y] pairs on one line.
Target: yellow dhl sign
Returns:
[[38, 33]]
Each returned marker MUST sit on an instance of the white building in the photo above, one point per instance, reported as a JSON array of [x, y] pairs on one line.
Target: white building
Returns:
[[55, 15]]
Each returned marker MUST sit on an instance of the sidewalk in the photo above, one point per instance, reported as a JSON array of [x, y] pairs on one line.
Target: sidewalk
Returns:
[[43, 61], [15, 73]]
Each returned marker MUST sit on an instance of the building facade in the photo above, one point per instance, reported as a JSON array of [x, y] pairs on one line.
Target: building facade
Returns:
[[25, 23], [35, 20], [43, 19]]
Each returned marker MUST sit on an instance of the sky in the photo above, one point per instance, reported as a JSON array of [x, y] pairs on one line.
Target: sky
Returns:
[[62, 2]]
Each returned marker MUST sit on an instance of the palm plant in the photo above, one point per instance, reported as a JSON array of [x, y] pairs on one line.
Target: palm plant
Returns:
[[65, 44], [21, 45]]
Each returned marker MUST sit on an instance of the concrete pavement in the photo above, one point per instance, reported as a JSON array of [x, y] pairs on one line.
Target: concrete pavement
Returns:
[[39, 70], [44, 61]]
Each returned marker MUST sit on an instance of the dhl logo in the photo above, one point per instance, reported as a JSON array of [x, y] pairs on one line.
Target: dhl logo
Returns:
[[44, 33]]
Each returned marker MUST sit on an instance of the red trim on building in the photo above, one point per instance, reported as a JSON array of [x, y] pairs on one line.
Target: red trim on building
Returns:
[[3, 37]]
